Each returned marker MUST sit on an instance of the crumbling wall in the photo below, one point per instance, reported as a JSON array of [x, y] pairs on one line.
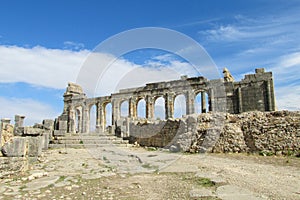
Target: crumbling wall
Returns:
[[20, 141], [275, 132]]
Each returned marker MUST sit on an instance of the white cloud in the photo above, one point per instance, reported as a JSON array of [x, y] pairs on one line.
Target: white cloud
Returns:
[[73, 45], [33, 111], [287, 97], [40, 66]]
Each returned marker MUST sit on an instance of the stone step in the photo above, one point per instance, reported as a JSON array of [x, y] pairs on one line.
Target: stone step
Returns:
[[82, 146], [83, 141], [88, 140]]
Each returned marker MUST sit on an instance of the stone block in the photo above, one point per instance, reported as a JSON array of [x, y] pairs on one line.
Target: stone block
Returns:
[[59, 133], [48, 124], [30, 131], [45, 140], [62, 125], [35, 146], [15, 148]]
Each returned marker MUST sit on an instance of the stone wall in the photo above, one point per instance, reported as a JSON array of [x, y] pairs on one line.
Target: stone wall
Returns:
[[275, 132]]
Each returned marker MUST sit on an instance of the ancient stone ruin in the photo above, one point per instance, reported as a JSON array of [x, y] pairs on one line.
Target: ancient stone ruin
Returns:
[[236, 116], [254, 92]]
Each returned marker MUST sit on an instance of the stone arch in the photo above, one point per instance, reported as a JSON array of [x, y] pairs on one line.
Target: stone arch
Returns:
[[179, 105], [124, 108], [141, 107], [159, 107]]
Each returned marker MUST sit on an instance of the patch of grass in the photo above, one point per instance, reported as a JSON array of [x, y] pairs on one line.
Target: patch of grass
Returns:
[[151, 148], [266, 153], [85, 165], [148, 166], [61, 178], [23, 187], [205, 182], [80, 142]]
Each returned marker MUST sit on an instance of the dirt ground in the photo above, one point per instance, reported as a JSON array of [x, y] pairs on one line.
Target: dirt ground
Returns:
[[137, 173]]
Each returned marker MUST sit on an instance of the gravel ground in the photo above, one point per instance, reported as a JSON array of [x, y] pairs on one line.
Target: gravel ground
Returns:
[[137, 173]]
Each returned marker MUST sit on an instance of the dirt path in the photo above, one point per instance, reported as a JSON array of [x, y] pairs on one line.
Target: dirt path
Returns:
[[136, 173]]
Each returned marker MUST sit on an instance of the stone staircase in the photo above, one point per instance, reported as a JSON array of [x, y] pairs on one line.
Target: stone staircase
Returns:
[[88, 140]]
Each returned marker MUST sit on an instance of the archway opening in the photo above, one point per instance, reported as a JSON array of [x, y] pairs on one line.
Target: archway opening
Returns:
[[93, 118], [159, 108], [179, 106], [141, 108], [108, 114], [124, 109], [201, 103]]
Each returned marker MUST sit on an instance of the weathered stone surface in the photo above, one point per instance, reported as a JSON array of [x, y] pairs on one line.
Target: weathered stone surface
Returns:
[[48, 124], [231, 192], [201, 193], [17, 147], [269, 133], [35, 146]]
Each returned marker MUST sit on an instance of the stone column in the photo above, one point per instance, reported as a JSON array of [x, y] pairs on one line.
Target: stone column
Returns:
[[98, 117], [190, 102], [203, 102], [19, 121], [270, 98], [132, 108], [71, 120], [85, 119], [79, 120], [149, 107], [102, 114], [4, 122], [240, 100], [115, 111], [169, 105]]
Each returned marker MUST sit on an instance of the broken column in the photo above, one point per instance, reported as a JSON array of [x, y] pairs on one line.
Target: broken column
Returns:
[[3, 124], [19, 124]]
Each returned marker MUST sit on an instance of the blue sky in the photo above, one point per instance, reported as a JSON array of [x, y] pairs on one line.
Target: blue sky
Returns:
[[44, 43]]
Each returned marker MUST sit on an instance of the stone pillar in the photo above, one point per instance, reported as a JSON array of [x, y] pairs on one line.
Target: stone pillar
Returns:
[[85, 119], [190, 102], [270, 96], [149, 107], [132, 108], [169, 105], [102, 116], [3, 124], [98, 116], [79, 119], [240, 100], [115, 111], [203, 102], [71, 120], [19, 121]]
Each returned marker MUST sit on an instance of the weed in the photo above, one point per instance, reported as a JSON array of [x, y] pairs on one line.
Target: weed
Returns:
[[205, 182], [266, 153]]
